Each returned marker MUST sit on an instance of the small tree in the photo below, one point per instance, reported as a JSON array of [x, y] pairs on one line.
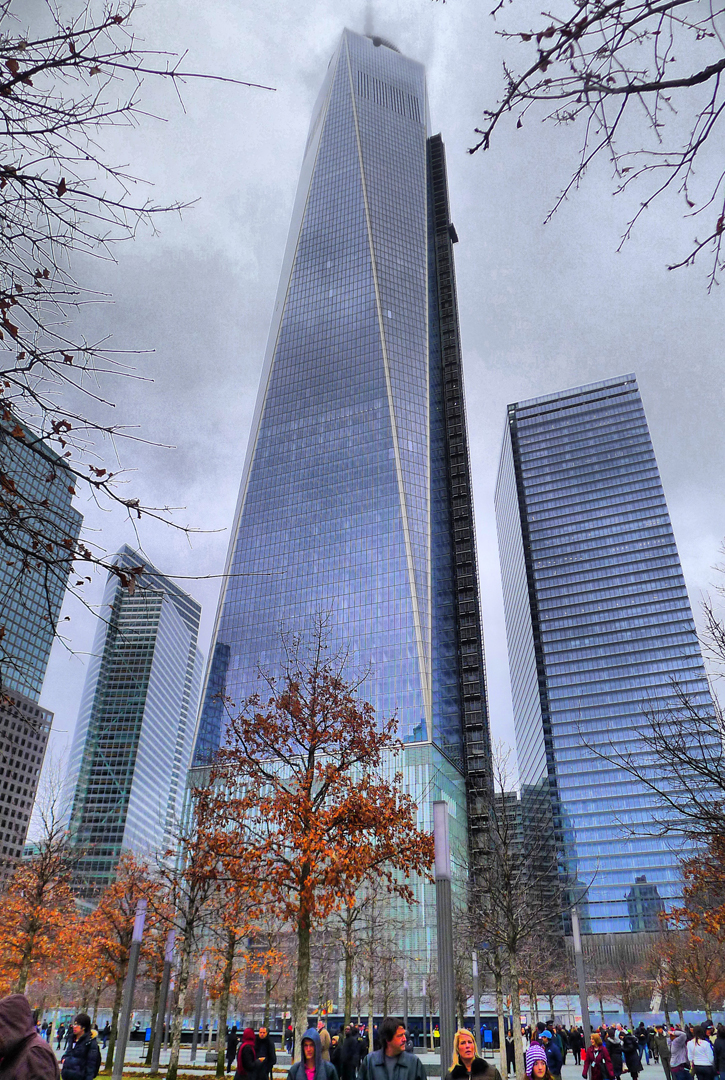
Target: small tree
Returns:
[[299, 808]]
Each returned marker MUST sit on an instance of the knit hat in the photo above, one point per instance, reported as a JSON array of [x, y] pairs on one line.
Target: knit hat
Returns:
[[535, 1052]]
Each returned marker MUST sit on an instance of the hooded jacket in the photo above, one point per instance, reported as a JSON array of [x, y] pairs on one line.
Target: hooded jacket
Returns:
[[616, 1052], [82, 1059], [247, 1064], [324, 1070], [23, 1054]]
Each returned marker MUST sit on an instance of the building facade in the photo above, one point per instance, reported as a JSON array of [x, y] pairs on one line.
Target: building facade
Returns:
[[37, 516], [355, 500], [24, 731], [133, 740], [598, 624]]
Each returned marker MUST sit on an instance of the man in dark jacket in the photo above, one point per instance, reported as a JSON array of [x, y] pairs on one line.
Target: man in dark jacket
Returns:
[[232, 1043], [23, 1054], [662, 1045], [82, 1060], [554, 1058], [350, 1054], [377, 1066], [266, 1054]]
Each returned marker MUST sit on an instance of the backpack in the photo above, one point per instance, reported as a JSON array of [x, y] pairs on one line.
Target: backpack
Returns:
[[93, 1046]]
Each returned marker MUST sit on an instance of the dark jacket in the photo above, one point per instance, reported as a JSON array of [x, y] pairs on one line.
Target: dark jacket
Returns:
[[23, 1054], [247, 1065], [82, 1060], [554, 1057], [630, 1048], [350, 1057], [616, 1054], [662, 1043], [324, 1070], [718, 1049], [265, 1048], [407, 1067], [479, 1068], [597, 1058]]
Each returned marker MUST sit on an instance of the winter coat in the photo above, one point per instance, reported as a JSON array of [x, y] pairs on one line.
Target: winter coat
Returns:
[[597, 1058], [325, 1043], [407, 1067], [82, 1060], [616, 1054], [678, 1049], [23, 1054], [554, 1057], [350, 1057], [247, 1064], [480, 1068], [323, 1069], [630, 1048], [718, 1049], [265, 1048], [575, 1042]]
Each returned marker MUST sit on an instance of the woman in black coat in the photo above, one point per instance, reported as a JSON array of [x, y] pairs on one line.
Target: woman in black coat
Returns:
[[616, 1052], [630, 1050], [350, 1055]]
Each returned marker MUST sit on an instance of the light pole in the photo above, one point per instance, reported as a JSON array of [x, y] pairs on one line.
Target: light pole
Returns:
[[197, 1010], [128, 989], [477, 1002], [425, 1015], [444, 914], [163, 995], [405, 1000], [579, 959]]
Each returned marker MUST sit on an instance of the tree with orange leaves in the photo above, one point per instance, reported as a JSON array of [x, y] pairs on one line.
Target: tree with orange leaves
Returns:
[[110, 928], [299, 812]]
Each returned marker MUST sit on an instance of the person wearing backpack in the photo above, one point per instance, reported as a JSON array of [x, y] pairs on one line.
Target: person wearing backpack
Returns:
[[82, 1060]]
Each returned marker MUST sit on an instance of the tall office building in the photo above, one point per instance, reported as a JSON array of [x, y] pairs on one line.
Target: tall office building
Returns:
[[37, 515], [355, 498], [24, 731], [135, 730], [598, 623]]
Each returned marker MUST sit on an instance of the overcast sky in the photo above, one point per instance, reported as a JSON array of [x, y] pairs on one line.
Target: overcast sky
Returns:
[[542, 307]]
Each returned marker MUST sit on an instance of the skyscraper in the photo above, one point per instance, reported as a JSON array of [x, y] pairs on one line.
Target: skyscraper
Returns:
[[37, 515], [355, 498], [24, 731], [598, 623], [135, 730]]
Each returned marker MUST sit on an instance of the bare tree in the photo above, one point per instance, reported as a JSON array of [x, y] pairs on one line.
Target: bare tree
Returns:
[[643, 79]]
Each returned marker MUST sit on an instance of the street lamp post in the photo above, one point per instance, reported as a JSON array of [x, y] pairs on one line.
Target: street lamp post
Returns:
[[444, 913], [128, 989], [197, 1010], [163, 996], [405, 1000], [579, 959], [477, 1001]]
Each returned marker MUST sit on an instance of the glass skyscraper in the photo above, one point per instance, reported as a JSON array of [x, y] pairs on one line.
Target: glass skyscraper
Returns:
[[599, 625], [133, 740], [37, 492], [355, 499]]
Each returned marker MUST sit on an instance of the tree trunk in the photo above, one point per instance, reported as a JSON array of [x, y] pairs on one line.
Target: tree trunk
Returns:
[[178, 1018], [498, 982], [666, 1008], [96, 1001], [25, 962], [678, 1003], [516, 1006], [154, 1018], [301, 997], [267, 999], [601, 1005], [229, 956], [348, 977], [551, 1006], [117, 998], [371, 1009]]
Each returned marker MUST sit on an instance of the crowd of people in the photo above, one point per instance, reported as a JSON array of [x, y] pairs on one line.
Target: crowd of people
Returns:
[[685, 1053]]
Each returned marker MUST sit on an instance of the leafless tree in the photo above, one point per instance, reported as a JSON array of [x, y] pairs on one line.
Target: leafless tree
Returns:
[[643, 79], [63, 81]]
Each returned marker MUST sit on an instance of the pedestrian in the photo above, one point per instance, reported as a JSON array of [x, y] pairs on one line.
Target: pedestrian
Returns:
[[564, 1042], [718, 1051], [576, 1043], [105, 1035], [266, 1054], [350, 1054], [24, 1055], [641, 1036], [652, 1045], [325, 1040], [466, 1061], [554, 1058], [59, 1035], [678, 1053], [630, 1051], [312, 1066], [597, 1063], [232, 1044], [378, 1066], [535, 1053], [510, 1053], [613, 1044], [662, 1045], [290, 1040], [539, 1068], [247, 1064], [82, 1059], [701, 1056]]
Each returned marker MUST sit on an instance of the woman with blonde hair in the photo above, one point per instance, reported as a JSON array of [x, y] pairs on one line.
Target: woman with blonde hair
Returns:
[[466, 1062]]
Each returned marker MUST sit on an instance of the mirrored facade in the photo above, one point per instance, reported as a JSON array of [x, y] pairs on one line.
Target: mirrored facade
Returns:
[[355, 499], [598, 624]]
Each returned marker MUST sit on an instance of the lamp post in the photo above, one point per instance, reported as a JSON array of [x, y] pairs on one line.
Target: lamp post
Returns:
[[444, 914], [405, 1000], [128, 989], [477, 1002], [197, 1010], [581, 980], [425, 1015], [163, 995]]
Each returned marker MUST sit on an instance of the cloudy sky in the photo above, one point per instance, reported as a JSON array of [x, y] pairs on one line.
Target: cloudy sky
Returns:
[[542, 307]]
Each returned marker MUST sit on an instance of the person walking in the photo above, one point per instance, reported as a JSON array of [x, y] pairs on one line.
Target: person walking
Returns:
[[597, 1063], [678, 1053], [576, 1043], [266, 1054], [312, 1065], [24, 1055], [701, 1056], [350, 1054], [662, 1045], [718, 1049], [630, 1051], [82, 1059], [247, 1064], [466, 1062], [390, 1062], [554, 1058], [59, 1035], [232, 1044], [641, 1036], [510, 1053], [613, 1044], [325, 1040]]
